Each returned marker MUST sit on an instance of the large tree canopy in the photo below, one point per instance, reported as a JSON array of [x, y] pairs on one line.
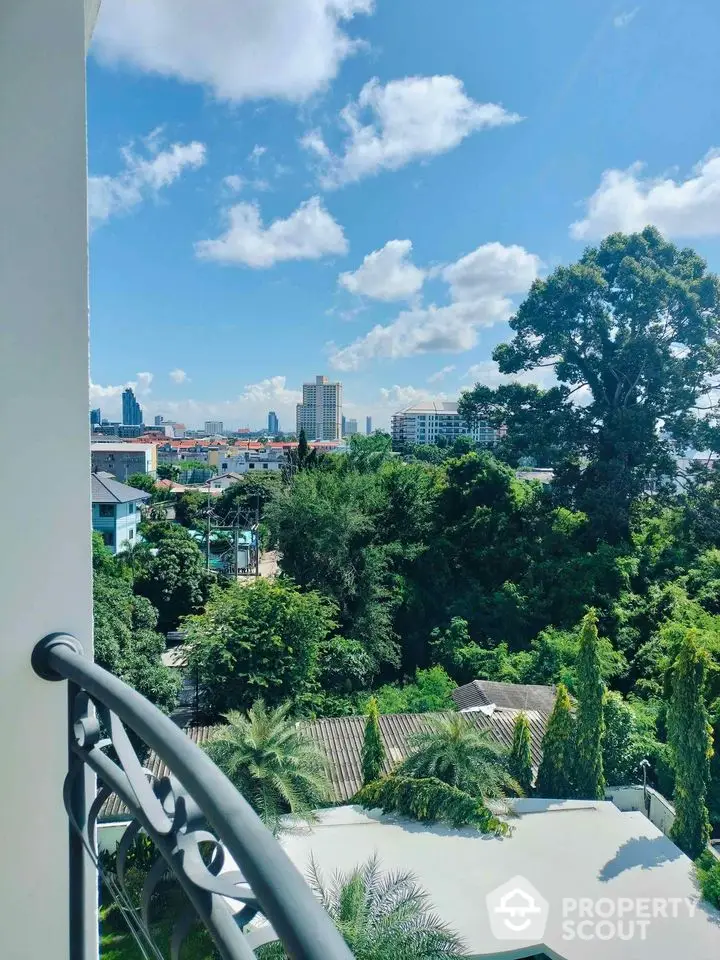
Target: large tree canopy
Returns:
[[632, 332]]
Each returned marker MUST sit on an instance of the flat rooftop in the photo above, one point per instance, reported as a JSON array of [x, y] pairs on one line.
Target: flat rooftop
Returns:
[[565, 849]]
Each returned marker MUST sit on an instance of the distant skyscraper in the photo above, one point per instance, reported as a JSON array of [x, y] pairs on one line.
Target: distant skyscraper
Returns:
[[273, 424], [213, 428], [131, 409], [158, 420], [351, 427], [95, 417], [320, 413], [343, 425], [368, 425]]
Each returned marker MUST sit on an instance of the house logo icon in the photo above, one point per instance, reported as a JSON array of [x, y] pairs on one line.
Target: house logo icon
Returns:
[[517, 911]]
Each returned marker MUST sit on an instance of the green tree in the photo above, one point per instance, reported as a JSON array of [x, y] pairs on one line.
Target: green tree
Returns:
[[690, 739], [624, 744], [590, 725], [373, 751], [174, 578], [555, 775], [635, 323], [260, 639], [141, 481], [191, 510], [276, 767], [455, 751], [430, 692], [168, 471], [381, 916], [125, 639], [520, 758]]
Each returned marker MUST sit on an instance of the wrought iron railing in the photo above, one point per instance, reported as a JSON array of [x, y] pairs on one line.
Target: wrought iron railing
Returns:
[[195, 818]]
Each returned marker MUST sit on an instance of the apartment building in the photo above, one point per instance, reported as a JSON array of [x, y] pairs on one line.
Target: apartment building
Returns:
[[430, 421], [320, 413]]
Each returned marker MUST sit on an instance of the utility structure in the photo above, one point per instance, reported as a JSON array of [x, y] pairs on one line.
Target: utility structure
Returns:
[[245, 519]]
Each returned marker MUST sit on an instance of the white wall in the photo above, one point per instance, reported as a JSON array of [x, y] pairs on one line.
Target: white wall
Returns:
[[45, 584], [661, 812]]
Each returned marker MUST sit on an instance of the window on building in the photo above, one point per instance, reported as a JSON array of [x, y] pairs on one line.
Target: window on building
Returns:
[[252, 466], [106, 510], [131, 534], [108, 537], [265, 466]]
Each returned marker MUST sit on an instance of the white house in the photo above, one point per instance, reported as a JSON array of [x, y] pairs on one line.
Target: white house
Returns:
[[115, 511]]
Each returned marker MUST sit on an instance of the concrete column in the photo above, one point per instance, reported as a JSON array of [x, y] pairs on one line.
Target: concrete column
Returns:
[[45, 568]]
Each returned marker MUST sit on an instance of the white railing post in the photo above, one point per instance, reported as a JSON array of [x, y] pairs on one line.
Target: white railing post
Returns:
[[45, 581]]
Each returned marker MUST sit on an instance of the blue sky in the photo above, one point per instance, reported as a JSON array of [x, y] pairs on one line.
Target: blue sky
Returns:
[[281, 188]]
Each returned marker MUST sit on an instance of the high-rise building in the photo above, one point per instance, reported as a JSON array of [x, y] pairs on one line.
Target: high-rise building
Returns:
[[368, 425], [132, 414], [159, 420], [95, 417], [350, 427], [213, 428], [428, 422], [273, 424], [343, 425], [320, 413]]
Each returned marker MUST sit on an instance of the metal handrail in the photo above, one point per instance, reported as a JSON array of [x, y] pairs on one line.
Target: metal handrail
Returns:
[[177, 811]]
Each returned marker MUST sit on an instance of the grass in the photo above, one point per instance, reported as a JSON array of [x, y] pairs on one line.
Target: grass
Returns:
[[117, 944]]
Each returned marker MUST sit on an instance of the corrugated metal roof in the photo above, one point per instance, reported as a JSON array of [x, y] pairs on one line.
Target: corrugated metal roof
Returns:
[[517, 696], [341, 738], [107, 490]]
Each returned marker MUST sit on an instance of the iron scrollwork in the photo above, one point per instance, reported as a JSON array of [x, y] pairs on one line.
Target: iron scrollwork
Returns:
[[190, 847]]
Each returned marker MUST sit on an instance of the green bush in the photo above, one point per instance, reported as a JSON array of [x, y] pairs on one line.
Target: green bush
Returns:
[[708, 873], [430, 800]]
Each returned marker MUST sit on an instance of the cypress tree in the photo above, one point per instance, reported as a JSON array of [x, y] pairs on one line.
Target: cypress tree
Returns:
[[590, 724], [555, 776], [373, 752], [690, 739], [520, 759]]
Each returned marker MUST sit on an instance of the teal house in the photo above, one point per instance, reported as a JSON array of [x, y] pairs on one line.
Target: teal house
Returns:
[[115, 510]]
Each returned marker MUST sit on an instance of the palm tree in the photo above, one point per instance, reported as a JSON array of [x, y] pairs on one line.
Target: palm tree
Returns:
[[455, 751], [276, 768], [381, 916]]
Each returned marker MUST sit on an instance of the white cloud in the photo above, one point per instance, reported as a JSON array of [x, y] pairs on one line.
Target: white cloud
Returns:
[[480, 283], [628, 201], [178, 375], [256, 153], [408, 119], [287, 49], [398, 397], [249, 408], [623, 19], [441, 374], [234, 182], [386, 274], [142, 177], [313, 141], [142, 382], [307, 234], [108, 397]]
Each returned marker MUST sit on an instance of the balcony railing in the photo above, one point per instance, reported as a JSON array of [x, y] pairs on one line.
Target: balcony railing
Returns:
[[195, 818]]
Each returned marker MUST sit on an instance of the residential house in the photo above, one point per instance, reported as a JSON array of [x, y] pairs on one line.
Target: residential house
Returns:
[[115, 511]]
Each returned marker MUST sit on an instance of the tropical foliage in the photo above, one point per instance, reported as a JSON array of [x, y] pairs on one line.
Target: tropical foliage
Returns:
[[520, 757], [277, 769], [381, 916], [430, 800], [373, 751], [456, 752]]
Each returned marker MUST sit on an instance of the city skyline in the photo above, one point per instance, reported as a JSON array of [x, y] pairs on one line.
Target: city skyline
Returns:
[[281, 215]]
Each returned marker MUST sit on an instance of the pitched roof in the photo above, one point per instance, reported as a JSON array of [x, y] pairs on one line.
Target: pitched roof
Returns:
[[340, 739], [516, 696], [106, 490]]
